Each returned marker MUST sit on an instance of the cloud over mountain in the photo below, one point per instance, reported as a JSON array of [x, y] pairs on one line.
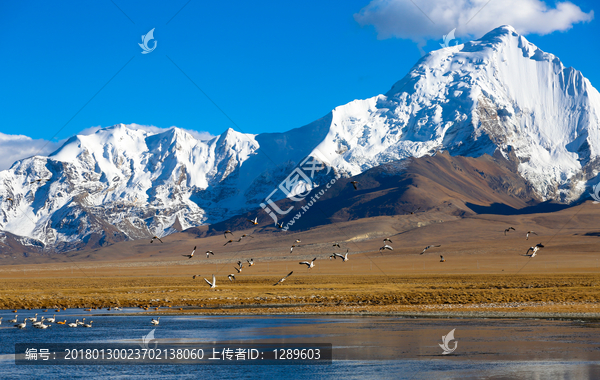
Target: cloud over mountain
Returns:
[[17, 147], [431, 19]]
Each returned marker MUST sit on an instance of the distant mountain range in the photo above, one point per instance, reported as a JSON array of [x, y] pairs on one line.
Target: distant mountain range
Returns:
[[499, 97]]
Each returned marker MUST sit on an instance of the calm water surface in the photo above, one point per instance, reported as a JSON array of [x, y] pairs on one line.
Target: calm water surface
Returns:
[[363, 347]]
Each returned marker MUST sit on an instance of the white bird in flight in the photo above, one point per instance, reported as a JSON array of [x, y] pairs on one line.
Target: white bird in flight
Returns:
[[255, 221], [191, 254], [154, 321], [209, 253], [343, 257], [212, 284], [231, 277], [283, 279], [310, 264], [386, 247], [529, 232], [534, 250], [429, 246]]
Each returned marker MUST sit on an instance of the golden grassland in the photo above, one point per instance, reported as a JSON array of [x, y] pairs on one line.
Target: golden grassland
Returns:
[[484, 270], [312, 293]]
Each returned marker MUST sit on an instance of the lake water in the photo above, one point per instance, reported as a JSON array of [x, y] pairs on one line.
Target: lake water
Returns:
[[363, 347]]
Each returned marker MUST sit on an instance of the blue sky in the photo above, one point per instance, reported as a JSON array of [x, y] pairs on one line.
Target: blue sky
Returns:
[[270, 66]]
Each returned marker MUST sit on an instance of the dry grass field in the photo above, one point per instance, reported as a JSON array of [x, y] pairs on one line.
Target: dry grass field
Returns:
[[484, 269]]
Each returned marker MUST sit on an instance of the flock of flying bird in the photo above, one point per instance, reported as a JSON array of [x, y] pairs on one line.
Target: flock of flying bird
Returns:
[[344, 257], [213, 284]]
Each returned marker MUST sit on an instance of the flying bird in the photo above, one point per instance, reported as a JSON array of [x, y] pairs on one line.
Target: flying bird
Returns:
[[10, 199], [354, 183], [533, 250], [227, 232], [298, 241], [239, 270], [442, 259], [529, 232], [292, 248], [412, 212], [343, 257], [209, 253], [336, 245], [283, 279], [212, 284], [255, 221], [385, 246], [310, 264], [231, 277], [196, 275], [243, 236], [228, 241], [279, 225], [250, 262], [387, 239], [38, 180], [191, 254], [154, 321], [508, 230], [429, 246], [155, 238]]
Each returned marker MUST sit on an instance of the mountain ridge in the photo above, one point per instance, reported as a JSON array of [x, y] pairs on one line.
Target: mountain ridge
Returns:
[[499, 95]]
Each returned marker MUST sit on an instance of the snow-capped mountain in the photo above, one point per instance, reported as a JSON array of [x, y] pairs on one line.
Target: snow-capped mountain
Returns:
[[499, 93]]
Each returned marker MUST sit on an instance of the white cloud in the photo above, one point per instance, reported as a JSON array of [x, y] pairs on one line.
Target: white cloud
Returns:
[[18, 147], [406, 19]]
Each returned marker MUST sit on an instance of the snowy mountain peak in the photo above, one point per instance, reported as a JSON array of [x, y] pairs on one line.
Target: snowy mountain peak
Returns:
[[497, 95], [500, 92]]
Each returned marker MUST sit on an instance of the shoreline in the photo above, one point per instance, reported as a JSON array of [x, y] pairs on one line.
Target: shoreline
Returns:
[[430, 315]]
